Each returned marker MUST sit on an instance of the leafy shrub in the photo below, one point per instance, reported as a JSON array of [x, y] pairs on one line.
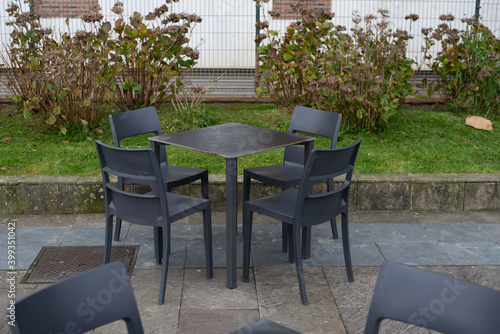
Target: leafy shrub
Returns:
[[467, 68], [69, 82], [364, 75], [152, 61], [74, 80]]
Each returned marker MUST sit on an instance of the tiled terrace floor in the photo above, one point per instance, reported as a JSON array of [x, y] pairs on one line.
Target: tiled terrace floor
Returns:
[[465, 245]]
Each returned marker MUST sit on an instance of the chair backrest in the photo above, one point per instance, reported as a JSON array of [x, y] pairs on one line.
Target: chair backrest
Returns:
[[433, 301], [313, 121], [134, 123], [140, 165], [79, 304], [324, 164]]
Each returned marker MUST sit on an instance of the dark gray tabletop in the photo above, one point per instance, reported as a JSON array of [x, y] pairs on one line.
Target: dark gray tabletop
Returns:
[[231, 140]]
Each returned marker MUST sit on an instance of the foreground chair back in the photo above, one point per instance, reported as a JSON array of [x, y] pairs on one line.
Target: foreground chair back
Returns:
[[432, 301], [304, 120], [79, 304], [157, 208], [302, 207], [143, 121]]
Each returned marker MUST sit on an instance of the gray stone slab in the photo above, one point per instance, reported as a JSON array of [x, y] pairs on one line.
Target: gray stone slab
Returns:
[[151, 277], [29, 242], [362, 254], [483, 275], [492, 230], [455, 233], [288, 275], [86, 236], [202, 293], [155, 318], [480, 253], [215, 321], [352, 294], [282, 305], [143, 236], [415, 253], [389, 233], [195, 254], [267, 245]]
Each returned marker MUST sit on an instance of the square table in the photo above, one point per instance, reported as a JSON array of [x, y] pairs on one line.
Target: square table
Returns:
[[232, 140]]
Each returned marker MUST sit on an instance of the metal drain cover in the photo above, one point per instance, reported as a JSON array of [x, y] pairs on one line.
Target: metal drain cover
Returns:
[[57, 263]]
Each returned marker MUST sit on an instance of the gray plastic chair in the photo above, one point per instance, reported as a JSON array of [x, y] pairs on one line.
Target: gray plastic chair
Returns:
[[65, 306], [300, 208], [434, 301], [142, 121], [305, 120], [157, 208]]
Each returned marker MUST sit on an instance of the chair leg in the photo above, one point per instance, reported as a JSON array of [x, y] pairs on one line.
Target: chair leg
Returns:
[[158, 243], [298, 264], [306, 242], [291, 252], [207, 232], [284, 237], [247, 241], [108, 236], [118, 228], [346, 246], [164, 269], [333, 223]]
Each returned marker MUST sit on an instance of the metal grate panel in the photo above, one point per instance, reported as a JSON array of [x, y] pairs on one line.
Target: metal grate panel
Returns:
[[57, 263]]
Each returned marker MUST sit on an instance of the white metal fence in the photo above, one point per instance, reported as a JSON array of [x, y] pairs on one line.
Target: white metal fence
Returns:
[[226, 36]]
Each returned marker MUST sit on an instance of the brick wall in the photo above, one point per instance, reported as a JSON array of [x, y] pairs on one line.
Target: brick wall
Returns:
[[283, 7], [64, 8]]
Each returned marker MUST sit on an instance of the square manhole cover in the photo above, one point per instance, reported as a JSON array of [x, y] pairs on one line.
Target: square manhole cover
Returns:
[[57, 263]]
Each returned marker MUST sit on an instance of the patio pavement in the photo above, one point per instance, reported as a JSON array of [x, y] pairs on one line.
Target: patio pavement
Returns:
[[461, 244]]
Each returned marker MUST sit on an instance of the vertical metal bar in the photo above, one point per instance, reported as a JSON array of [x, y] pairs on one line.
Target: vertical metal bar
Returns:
[[231, 220], [257, 31], [478, 7]]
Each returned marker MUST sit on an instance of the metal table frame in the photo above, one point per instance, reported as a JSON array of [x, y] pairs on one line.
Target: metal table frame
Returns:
[[232, 140]]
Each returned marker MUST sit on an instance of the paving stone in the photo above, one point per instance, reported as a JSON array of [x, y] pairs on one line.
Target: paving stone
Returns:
[[492, 230], [282, 305], [86, 236], [288, 275], [483, 275], [389, 233], [202, 293], [454, 233], [29, 242], [215, 321], [352, 294], [415, 253], [472, 253]]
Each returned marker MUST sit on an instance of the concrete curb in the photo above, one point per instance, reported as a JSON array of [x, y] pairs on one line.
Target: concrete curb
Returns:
[[385, 192]]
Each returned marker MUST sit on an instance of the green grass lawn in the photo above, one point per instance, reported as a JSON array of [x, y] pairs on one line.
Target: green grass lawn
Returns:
[[415, 140]]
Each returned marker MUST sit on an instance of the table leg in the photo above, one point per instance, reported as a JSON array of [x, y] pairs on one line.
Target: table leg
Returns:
[[306, 231], [231, 220]]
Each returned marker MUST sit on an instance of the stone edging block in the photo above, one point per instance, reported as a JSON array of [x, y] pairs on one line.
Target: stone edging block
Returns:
[[387, 192]]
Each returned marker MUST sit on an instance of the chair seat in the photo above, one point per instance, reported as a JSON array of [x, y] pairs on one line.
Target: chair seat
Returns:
[[180, 206], [280, 206], [284, 176], [174, 174]]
